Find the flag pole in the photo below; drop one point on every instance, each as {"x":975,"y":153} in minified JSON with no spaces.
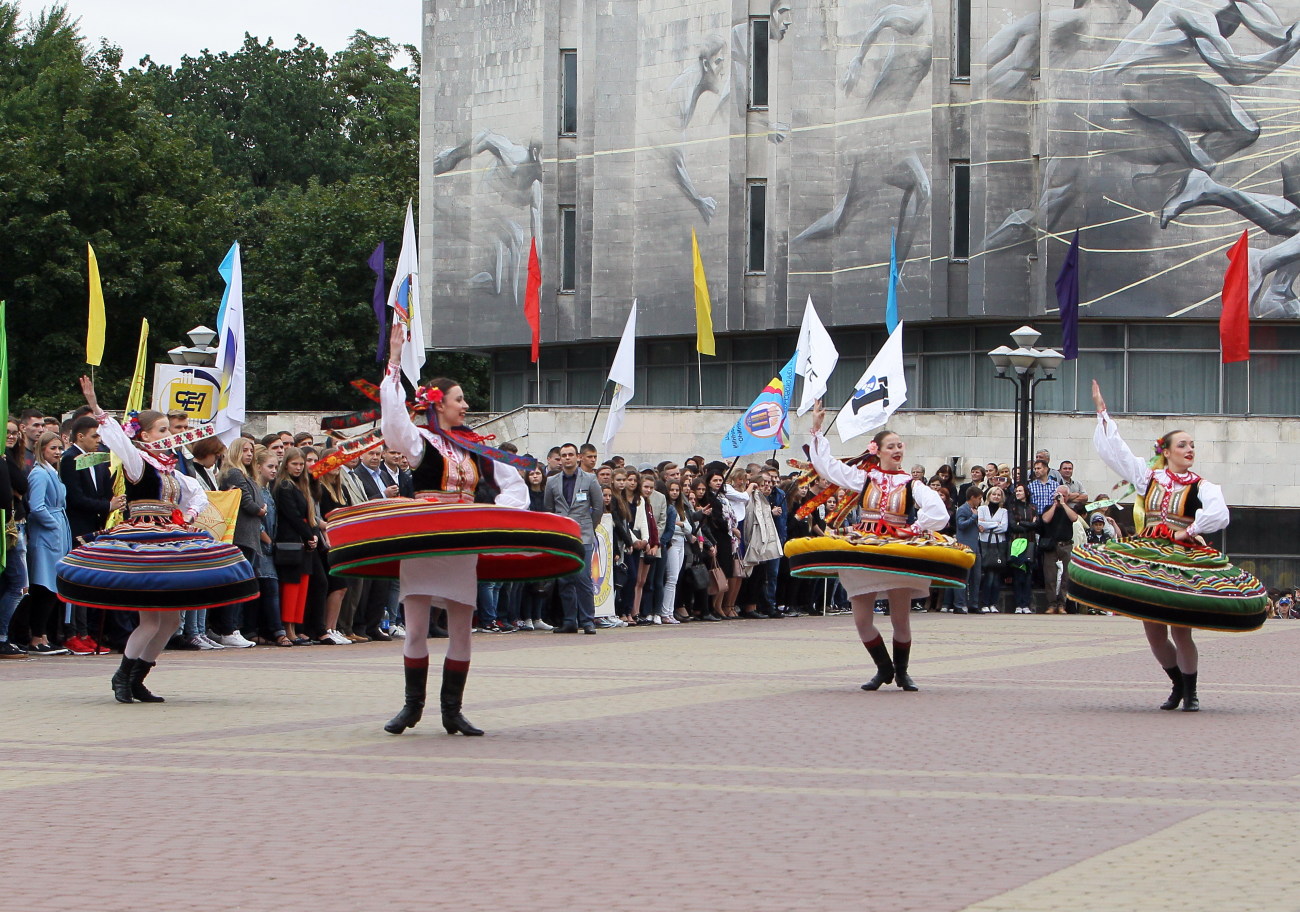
{"x":699,"y":364}
{"x":599,"y":405}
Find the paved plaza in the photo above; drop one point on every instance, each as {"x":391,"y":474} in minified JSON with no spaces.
{"x":717,"y":767}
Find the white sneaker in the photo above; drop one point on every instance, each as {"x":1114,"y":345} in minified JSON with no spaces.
{"x":338,"y":638}
{"x":204,"y":643}
{"x":234,"y":640}
{"x":397,"y":632}
{"x":656,"y":619}
{"x":525,"y":625}
{"x":539,"y":624}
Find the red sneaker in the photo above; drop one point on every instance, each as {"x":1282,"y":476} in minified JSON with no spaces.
{"x":89,"y":642}
{"x":77,"y":646}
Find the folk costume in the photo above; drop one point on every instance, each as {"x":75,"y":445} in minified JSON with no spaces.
{"x":1152,"y":577}
{"x":885,"y":552}
{"x":155,"y":561}
{"x":469,"y":522}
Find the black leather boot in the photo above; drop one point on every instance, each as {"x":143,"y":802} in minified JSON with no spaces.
{"x":1175,"y":695}
{"x":417,"y":685}
{"x":453,"y":693}
{"x":139,"y":670}
{"x":122,"y":681}
{"x":903,"y":652}
{"x":1190,"y":702}
{"x":884,"y":665}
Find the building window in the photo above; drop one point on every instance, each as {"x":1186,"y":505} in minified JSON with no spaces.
{"x":960,"y":210}
{"x":758,"y":32}
{"x":568,"y":249}
{"x":568,"y":93}
{"x":756,"y":260}
{"x":961,"y":41}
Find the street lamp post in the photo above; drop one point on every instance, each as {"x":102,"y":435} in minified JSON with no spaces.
{"x":1029,"y":367}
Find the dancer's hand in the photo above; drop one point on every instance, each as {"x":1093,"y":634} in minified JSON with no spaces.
{"x":88,"y":390}
{"x":396,"y":339}
{"x":819,"y":416}
{"x":1099,"y":402}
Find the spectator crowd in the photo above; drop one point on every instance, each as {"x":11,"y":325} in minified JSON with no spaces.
{"x":696,"y":541}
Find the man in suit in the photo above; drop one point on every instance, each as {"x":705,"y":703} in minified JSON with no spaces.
{"x":395,"y":476}
{"x":968,"y":534}
{"x":576,"y":494}
{"x":372,"y":598}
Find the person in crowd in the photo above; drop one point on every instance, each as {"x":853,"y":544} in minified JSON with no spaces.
{"x":1166,"y":575}
{"x":13,"y":500}
{"x":1055,"y":544}
{"x":778,"y":569}
{"x":1075,"y":494}
{"x":721,"y":523}
{"x":297,"y":538}
{"x":1053,"y":475}
{"x":968,"y":529}
{"x":49,"y":538}
{"x":1022,"y":532}
{"x":394,"y":476}
{"x":616,"y":507}
{"x":552,"y":460}
{"x":178,"y":567}
{"x":1042,"y":490}
{"x":587,"y":457}
{"x":575,"y":493}
{"x":944,"y":475}
{"x":31,"y":424}
{"x":762,"y":546}
{"x":657,"y":504}
{"x":918,"y":473}
{"x":674,"y":550}
{"x":887,"y":498}
{"x":976,"y":478}
{"x":203,"y":468}
{"x":332,"y":495}
{"x":266,"y":466}
{"x":645,"y":532}
{"x":374,"y":595}
{"x":993,"y":523}
{"x":303,"y":439}
{"x":238,"y":475}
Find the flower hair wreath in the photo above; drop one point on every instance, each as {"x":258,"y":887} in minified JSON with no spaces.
{"x":873,"y":448}
{"x":430,"y":395}
{"x":132,"y":424}
{"x":1158,"y":448}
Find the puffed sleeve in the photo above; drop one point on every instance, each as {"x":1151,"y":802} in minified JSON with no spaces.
{"x":931,"y":514}
{"x":834,"y":471}
{"x":193,"y":499}
{"x":513,"y":488}
{"x":1213,"y":514}
{"x":1115,"y":453}
{"x":400,"y":432}
{"x":120,"y":445}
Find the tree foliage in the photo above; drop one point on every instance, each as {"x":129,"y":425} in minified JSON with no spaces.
{"x":306,"y":157}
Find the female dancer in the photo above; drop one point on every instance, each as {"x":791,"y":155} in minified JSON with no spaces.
{"x":884,"y":554}
{"x":1166,"y":576}
{"x":154,"y":562}
{"x":446,"y":539}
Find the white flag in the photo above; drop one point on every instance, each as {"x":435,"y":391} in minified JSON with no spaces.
{"x":817,"y":358}
{"x":879,"y":393}
{"x":623,"y":375}
{"x":230,"y":414}
{"x":404,"y":298}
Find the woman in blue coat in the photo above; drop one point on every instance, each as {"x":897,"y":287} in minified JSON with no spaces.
{"x":49,"y":538}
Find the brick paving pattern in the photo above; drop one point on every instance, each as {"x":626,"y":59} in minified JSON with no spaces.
{"x":714,"y":768}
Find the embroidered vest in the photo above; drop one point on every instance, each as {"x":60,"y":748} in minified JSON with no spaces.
{"x":448,"y":474}
{"x":889,"y":503}
{"x":1175,"y":509}
{"x":154,"y":485}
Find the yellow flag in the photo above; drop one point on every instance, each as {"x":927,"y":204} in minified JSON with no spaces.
{"x":95,"y":332}
{"x":134,"y":402}
{"x":703,"y":306}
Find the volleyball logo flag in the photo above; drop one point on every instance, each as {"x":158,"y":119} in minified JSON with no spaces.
{"x":230,"y":416}
{"x":765,"y":424}
{"x":878,"y":393}
{"x":404,"y":299}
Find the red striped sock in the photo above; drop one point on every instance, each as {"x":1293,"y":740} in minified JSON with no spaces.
{"x":876,"y":642}
{"x":455,"y":664}
{"x":421,"y":662}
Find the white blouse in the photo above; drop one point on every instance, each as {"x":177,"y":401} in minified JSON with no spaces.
{"x":405,"y":436}
{"x":1213,"y":514}
{"x":193,"y":499}
{"x":931,"y":514}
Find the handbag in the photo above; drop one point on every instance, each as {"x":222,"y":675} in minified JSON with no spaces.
{"x":717,"y":580}
{"x":289,"y":555}
{"x":992,"y":557}
{"x":700,"y":576}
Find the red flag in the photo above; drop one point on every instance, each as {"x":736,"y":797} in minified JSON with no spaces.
{"x":533,"y":298}
{"x":1234,"y":320}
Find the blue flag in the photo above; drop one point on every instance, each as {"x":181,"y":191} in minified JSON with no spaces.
{"x":891,"y":302}
{"x":1067,"y":298}
{"x":764,"y":426}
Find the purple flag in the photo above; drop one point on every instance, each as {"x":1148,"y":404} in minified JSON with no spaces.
{"x":376,"y":263}
{"x":1067,"y":298}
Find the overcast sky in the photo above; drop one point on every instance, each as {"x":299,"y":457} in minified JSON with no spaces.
{"x":166,"y":29}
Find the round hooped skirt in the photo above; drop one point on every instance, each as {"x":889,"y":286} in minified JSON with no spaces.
{"x":875,"y":563}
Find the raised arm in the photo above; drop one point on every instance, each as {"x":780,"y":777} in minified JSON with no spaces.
{"x":827,"y":466}
{"x":1113,"y":450}
{"x":400,"y":432}
{"x":112,"y":435}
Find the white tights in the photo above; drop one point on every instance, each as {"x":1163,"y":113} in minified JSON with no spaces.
{"x":152,"y":634}
{"x":900,"y":615}
{"x":460,"y":624}
{"x":1181,"y":652}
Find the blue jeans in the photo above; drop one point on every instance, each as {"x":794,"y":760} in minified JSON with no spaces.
{"x":13,"y":583}
{"x":773,"y":577}
{"x":969,"y":597}
{"x":488,"y":595}
{"x":577,"y":596}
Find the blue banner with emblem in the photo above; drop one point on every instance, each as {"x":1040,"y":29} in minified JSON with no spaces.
{"x":765,"y":424}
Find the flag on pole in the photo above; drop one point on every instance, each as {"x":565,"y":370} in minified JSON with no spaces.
{"x":1234,"y":319}
{"x":891,"y":300}
{"x":703,"y":304}
{"x":623,"y":375}
{"x":95,"y":329}
{"x":376,"y":264}
{"x":765,"y":424}
{"x":1067,"y":299}
{"x":230,"y":415}
{"x":817,"y":357}
{"x":878,"y":393}
{"x":404,"y":298}
{"x":533,"y":298}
